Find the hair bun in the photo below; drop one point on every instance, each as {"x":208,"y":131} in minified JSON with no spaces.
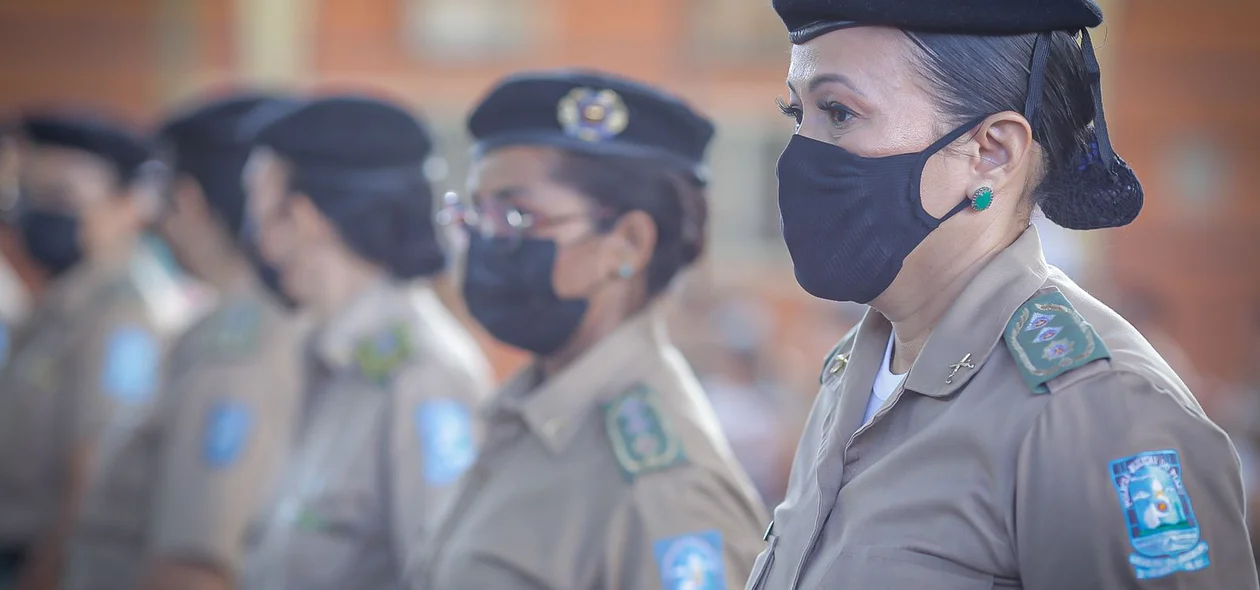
{"x":1093,"y":194}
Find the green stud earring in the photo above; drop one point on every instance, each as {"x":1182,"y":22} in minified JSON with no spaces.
{"x":982,"y":198}
{"x":626,"y":271}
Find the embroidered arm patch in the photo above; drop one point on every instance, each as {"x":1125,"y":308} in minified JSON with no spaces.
{"x":641,"y":438}
{"x":691,"y":562}
{"x":227,"y":430}
{"x":132,"y":359}
{"x":444,"y":428}
{"x":1158,"y":517}
{"x":1048,"y":338}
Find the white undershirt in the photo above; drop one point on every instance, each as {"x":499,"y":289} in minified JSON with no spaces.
{"x":886,"y":382}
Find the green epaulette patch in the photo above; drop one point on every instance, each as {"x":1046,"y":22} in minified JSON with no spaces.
{"x":1048,"y":338}
{"x":641,"y":438}
{"x":232,"y":330}
{"x":379,"y":356}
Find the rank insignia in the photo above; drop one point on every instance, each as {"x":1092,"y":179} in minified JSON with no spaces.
{"x":641,"y":439}
{"x":1048,"y":337}
{"x":593,"y":115}
{"x":691,"y":562}
{"x":1159,"y":520}
{"x":379,"y":357}
{"x":233,"y":330}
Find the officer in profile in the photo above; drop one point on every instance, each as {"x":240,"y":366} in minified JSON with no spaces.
{"x":91,"y":354}
{"x":604,"y":466}
{"x":169,"y":507}
{"x":343,"y":210}
{"x":989,"y":423}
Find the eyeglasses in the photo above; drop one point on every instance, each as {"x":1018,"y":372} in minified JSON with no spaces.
{"x":496,"y":219}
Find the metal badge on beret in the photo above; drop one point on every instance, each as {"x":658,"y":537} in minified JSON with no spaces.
{"x":593,"y":115}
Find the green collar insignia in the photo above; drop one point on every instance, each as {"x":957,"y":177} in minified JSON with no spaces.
{"x":1048,"y":338}
{"x":233,"y":330}
{"x":379,"y":357}
{"x":641,"y":439}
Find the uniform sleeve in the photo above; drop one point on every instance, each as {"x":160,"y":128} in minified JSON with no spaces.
{"x":227,"y":431}
{"x":116,"y":363}
{"x":681,"y":529}
{"x":1121,"y":486}
{"x":434,"y":438}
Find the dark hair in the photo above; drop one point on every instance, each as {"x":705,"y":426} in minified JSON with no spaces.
{"x":392,"y":227}
{"x":219,"y":177}
{"x":975,"y":76}
{"x":675,"y":202}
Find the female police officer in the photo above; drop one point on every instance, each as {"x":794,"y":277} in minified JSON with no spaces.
{"x":603,"y":465}
{"x":344,"y":213}
{"x":988,"y":424}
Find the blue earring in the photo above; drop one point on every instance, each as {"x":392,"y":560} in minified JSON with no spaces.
{"x":626,"y":271}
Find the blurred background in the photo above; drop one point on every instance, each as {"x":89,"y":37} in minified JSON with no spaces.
{"x":1182,"y":84}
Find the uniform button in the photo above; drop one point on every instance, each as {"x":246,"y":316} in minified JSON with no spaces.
{"x":838,"y":363}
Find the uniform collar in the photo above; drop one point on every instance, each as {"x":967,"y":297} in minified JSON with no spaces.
{"x":974,"y":324}
{"x":553,"y":408}
{"x":377,"y":306}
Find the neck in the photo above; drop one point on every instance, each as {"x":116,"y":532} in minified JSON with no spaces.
{"x":603,"y":317}
{"x":344,"y":287}
{"x":916,"y":307}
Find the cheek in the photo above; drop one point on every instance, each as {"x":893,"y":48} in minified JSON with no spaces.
{"x":943,"y":184}
{"x":572,"y":274}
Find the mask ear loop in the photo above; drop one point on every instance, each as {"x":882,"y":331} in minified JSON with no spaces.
{"x":938,"y":146}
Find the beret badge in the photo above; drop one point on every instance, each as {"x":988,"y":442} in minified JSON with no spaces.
{"x":592,"y":115}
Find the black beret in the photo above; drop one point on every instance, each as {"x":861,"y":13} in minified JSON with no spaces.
{"x":345,"y":133}
{"x":126,"y":151}
{"x":592,"y":112}
{"x":212,"y":125}
{"x":807,"y":19}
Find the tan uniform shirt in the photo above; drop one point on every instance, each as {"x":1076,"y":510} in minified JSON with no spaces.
{"x":612,"y":474}
{"x":1038,"y":442}
{"x":187,"y":480}
{"x":389,"y":428}
{"x":91,"y":358}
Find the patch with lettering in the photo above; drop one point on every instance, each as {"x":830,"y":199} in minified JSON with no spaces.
{"x":129,"y":372}
{"x":1048,"y":338}
{"x":691,"y":562}
{"x":1158,"y":516}
{"x":444,"y":428}
{"x":379,"y":356}
{"x":641,"y":438}
{"x":227,"y":430}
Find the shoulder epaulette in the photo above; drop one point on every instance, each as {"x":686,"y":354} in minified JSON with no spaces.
{"x":380,"y":355}
{"x":231,"y":330}
{"x":641,"y":437}
{"x":1048,"y":338}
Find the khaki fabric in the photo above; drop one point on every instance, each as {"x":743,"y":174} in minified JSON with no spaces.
{"x":87,"y":365}
{"x":612,"y":474}
{"x":388,"y":428}
{"x":184,"y":482}
{"x":968,"y":479}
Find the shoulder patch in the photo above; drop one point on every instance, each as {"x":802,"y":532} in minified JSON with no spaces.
{"x":130,"y":368}
{"x":691,"y":562}
{"x":232,"y":330}
{"x":227,"y":430}
{"x":641,"y":438}
{"x":444,"y":429}
{"x":379,"y":356}
{"x":1159,"y":520}
{"x":1048,"y":338}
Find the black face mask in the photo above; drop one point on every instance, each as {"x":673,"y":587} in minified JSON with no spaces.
{"x":51,"y":239}
{"x":507,"y":287}
{"x":849,"y":221}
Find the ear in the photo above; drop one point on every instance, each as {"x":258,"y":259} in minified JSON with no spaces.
{"x":1003,"y":143}
{"x":633,"y":239}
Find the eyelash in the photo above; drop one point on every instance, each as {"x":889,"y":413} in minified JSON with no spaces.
{"x":836,"y":112}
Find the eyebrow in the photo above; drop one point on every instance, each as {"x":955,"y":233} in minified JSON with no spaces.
{"x":821,"y":79}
